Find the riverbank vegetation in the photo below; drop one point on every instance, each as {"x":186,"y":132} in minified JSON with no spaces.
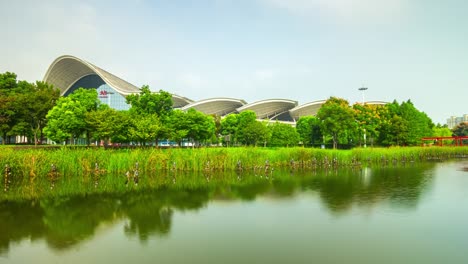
{"x":33,"y":173}
{"x":35,"y":112}
{"x":80,"y":161}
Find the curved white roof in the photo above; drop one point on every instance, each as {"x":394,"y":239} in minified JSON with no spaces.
{"x":270,"y":108}
{"x":308,"y":109}
{"x":180,"y":101}
{"x":220,"y":106}
{"x":67,"y":70}
{"x":376,"y":103}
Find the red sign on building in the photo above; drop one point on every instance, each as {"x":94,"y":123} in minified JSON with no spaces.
{"x":103,"y":94}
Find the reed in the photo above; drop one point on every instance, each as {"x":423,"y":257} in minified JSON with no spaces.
{"x":65,"y":171}
{"x":34,"y":163}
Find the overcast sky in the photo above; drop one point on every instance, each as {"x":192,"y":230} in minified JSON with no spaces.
{"x":255,"y":49}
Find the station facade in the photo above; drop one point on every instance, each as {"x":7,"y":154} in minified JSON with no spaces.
{"x":69,"y":73}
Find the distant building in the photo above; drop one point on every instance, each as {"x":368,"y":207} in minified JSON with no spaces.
{"x":69,"y":73}
{"x":454,"y":121}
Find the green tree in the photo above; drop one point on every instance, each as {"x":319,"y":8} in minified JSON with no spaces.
{"x":36,"y":103}
{"x":246,"y":123}
{"x":147,"y":102}
{"x":338,"y":119}
{"x":283,"y":135}
{"x":200,"y":127}
{"x":145,"y":128}
{"x":8,"y":86}
{"x":419,"y":124}
{"x":193,"y":125}
{"x":254,"y":133}
{"x":461,"y":129}
{"x":229,"y":126}
{"x":403,"y":124}
{"x":178,"y":128}
{"x":106,"y":123}
{"x":68,"y":118}
{"x":309,"y":130}
{"x":441,"y":131}
{"x":369,"y":120}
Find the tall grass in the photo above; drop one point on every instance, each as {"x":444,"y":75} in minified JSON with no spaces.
{"x":34,"y":163}
{"x":82,"y":170}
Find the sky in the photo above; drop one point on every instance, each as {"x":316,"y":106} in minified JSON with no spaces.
{"x":255,"y":49}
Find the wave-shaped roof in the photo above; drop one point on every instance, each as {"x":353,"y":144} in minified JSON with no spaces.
{"x":308,"y":109}
{"x":219,"y":106}
{"x":270,"y":108}
{"x":67,"y":70}
{"x":376,"y":103}
{"x":180,"y":101}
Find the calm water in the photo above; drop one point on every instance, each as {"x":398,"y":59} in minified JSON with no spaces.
{"x":413,"y":214}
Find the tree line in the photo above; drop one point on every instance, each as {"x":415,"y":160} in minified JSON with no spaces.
{"x":36,"y":111}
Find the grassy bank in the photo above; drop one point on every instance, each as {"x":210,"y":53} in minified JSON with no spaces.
{"x":38,"y":162}
{"x":34,"y":173}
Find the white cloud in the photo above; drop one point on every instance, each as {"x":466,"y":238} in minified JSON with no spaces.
{"x":345,"y":11}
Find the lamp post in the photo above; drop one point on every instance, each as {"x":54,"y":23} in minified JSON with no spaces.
{"x":363,"y":89}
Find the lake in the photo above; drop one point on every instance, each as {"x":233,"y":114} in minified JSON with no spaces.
{"x":416,"y":213}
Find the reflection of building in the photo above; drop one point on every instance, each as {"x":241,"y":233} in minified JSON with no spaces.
{"x":69,"y":73}
{"x":453,"y":121}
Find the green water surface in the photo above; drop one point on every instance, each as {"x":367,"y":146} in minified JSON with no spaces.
{"x":411,"y":214}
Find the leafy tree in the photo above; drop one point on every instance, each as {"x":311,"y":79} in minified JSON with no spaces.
{"x":404,"y":125}
{"x":147,"y":102}
{"x":283,"y":135}
{"x":217,"y":133}
{"x":178,"y":128}
{"x":461,"y":129}
{"x":337,"y":118}
{"x":309,"y":130}
{"x":368,"y":118}
{"x":106,"y":123}
{"x":246,"y":122}
{"x":200,"y":127}
{"x":145,"y":128}
{"x":192,"y":124}
{"x":23,"y":106}
{"x":68,"y":118}
{"x":229,"y":126}
{"x":8,"y":85}
{"x":254,"y":133}
{"x":36,"y":103}
{"x":419,"y":124}
{"x":441,"y":131}
{"x":121,"y":130}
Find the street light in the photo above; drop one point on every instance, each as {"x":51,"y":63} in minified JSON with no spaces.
{"x":363,"y":89}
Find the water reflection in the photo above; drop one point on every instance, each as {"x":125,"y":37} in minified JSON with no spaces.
{"x":65,"y":222}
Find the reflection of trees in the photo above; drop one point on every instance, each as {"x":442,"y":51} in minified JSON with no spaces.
{"x":340,"y":190}
{"x":19,"y":221}
{"x":65,"y":222}
{"x":71,"y":220}
{"x":249,"y":191}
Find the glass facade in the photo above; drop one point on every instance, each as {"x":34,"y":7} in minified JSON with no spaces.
{"x":107,"y":95}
